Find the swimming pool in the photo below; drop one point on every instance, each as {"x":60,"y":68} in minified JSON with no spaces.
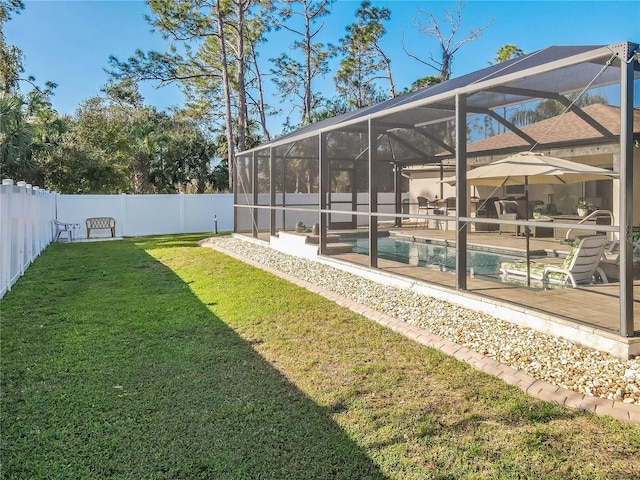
{"x":432,"y":255}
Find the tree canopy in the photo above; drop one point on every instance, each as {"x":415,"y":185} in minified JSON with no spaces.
{"x":446,"y":31}
{"x":115,"y":143}
{"x":364,"y":60}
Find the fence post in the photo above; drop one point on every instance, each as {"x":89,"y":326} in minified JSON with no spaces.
{"x":48,"y":215}
{"x":6,"y":193}
{"x":53,"y":213}
{"x":182,"y":219}
{"x":29,"y":225}
{"x":123,"y":215}
{"x":19,"y":216}
{"x":37,"y":226}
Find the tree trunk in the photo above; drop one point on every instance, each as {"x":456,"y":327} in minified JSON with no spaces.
{"x":387,"y":68}
{"x":241,"y":8}
{"x":261,"y":104}
{"x":306,"y":113}
{"x":445,"y":70}
{"x":227,"y":95}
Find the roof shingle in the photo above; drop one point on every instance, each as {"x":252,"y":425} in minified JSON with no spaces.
{"x":562,"y":128}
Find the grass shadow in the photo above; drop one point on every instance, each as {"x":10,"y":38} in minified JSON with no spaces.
{"x":112,"y":367}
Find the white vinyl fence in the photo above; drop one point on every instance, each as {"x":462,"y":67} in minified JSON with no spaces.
{"x":304,"y":207}
{"x":25,"y":228}
{"x":27,"y":214}
{"x":148,"y":214}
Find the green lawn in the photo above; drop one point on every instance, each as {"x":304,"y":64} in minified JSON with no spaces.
{"x":152,"y":358}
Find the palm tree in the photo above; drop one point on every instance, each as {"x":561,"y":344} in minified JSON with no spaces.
{"x":16,"y":136}
{"x":507,"y":52}
{"x":548,"y":108}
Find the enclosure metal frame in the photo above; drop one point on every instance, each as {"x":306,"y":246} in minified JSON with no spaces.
{"x":625,"y":53}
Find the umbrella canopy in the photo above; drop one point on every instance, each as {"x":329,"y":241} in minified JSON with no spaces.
{"x":533,"y":168}
{"x":528,"y":168}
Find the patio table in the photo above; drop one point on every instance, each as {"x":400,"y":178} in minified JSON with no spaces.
{"x":542,"y":228}
{"x":71,"y":229}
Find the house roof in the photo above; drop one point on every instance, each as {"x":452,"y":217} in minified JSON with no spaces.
{"x":569,"y":127}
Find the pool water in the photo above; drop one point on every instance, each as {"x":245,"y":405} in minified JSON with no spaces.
{"x":440,"y":257}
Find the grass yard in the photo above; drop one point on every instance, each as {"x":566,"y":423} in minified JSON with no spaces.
{"x":152,"y":358}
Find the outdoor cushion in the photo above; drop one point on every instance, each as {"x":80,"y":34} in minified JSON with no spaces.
{"x":544,"y":210}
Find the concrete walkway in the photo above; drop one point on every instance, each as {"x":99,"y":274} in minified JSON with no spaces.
{"x":532,"y":386}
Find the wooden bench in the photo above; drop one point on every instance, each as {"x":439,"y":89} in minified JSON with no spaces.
{"x":100,"y":223}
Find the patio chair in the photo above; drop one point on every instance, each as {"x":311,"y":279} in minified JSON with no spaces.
{"x":61,"y":227}
{"x":579,"y":268}
{"x":423,"y":208}
{"x":446,"y":208}
{"x":449,"y":205}
{"x":516,"y":210}
{"x":507,"y":210}
{"x":487,"y":209}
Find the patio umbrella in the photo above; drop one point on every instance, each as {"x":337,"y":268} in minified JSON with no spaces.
{"x":528,"y":168}
{"x":533,"y":168}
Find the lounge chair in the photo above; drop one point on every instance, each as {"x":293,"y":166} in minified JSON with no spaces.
{"x":614,"y":249}
{"x":579,"y":268}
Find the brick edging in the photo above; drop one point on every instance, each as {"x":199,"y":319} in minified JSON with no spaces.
{"x":533,"y":387}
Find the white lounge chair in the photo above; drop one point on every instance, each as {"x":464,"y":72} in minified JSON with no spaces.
{"x":614,"y":249}
{"x":579,"y":268}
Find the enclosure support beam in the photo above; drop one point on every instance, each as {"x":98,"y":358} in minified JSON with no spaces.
{"x":406,"y":144}
{"x":272,"y":192}
{"x":626,"y":188}
{"x":461,"y":192}
{"x":560,"y":98}
{"x":234,"y":186}
{"x":284,"y":190}
{"x":434,"y":139}
{"x":254,"y":190}
{"x":323,"y":173}
{"x":373,"y":196}
{"x":503,"y":121}
{"x":397,"y":190}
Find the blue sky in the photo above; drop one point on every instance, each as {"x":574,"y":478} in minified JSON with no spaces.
{"x":69,"y":42}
